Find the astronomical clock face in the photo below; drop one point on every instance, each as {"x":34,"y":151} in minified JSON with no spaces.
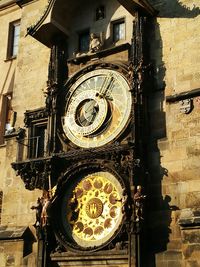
{"x":92,"y":210}
{"x":98,"y":108}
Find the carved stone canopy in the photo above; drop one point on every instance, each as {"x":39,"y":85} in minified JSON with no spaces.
{"x":55,"y":22}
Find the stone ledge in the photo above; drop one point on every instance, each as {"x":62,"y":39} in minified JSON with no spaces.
{"x":189,"y":218}
{"x":16,"y":232}
{"x":101,"y":259}
{"x":7,"y":3}
{"x":183,"y":95}
{"x":97,"y":55}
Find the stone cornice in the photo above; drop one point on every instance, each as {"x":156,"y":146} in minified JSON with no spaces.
{"x":183,"y":95}
{"x":37,"y":114}
{"x":189,"y":218}
{"x":21,"y":3}
{"x":7,"y":3}
{"x":16,"y":232}
{"x":142,"y":5}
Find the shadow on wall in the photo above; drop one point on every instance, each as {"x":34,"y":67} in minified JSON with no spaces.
{"x":175,"y":9}
{"x":159,"y":210}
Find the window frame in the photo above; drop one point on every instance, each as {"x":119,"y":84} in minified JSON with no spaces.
{"x":81,"y":33}
{"x":11,"y":39}
{"x":113,"y":24}
{"x":6,"y":103}
{"x":34,"y":141}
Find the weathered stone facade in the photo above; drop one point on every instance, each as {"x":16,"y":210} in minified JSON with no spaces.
{"x":172,"y":137}
{"x":174,"y":146}
{"x":16,"y":200}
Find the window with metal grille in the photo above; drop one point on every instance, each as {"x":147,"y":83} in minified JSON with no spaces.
{"x":38,"y":140}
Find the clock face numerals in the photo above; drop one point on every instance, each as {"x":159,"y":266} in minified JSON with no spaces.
{"x":98,"y":108}
{"x":94,"y":209}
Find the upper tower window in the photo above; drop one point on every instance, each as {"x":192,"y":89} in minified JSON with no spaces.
{"x":13,"y":39}
{"x":118,"y":28}
{"x":84,"y":41}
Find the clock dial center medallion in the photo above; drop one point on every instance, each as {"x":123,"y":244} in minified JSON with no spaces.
{"x":86,"y":114}
{"x":94,"y":208}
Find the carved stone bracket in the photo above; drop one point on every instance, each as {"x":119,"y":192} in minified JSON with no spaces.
{"x":33,"y":173}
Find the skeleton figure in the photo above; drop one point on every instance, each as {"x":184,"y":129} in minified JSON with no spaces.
{"x":139,"y":203}
{"x":45,"y":205}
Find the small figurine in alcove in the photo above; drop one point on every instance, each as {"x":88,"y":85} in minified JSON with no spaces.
{"x":100,"y":13}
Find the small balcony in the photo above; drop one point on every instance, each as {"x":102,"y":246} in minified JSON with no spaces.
{"x":30,"y":148}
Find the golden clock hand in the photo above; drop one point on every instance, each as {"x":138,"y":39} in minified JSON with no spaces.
{"x":106,"y":85}
{"x":90,"y":107}
{"x":103,"y":85}
{"x":108,"y":88}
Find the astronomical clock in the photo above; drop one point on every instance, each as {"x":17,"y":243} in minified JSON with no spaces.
{"x":91,"y":201}
{"x":98,"y":107}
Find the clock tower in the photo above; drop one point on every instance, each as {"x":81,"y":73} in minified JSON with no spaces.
{"x":93,"y":172}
